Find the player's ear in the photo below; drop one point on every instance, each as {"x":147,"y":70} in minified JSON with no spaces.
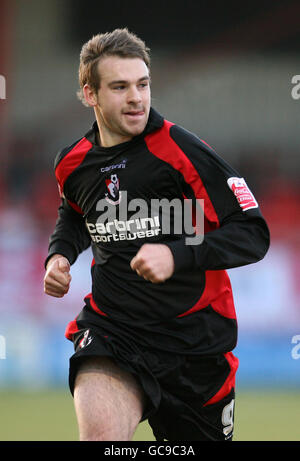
{"x":89,"y":95}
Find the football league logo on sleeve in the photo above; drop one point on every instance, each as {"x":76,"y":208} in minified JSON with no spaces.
{"x":242,"y":192}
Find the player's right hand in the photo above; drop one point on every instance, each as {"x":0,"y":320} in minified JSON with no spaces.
{"x":57,"y":278}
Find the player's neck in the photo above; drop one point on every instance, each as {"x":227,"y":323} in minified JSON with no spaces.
{"x":106,"y":137}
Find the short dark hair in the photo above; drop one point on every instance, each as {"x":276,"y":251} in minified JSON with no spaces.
{"x":119,"y":42}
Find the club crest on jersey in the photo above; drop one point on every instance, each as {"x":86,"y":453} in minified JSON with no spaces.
{"x":242,"y":192}
{"x":113,"y":196}
{"x":86,"y":340}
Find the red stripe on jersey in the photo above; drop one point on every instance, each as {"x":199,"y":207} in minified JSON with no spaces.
{"x":71,"y":161}
{"x":93,"y":305}
{"x":75,"y":207}
{"x":71,"y":329}
{"x":217,"y":293}
{"x":164,"y":147}
{"x":206,"y":144}
{"x":230,"y":380}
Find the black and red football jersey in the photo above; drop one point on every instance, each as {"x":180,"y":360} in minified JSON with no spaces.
{"x":111,"y":200}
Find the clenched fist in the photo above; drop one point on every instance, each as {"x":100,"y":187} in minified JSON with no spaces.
{"x":57,"y":278}
{"x":154,"y":262}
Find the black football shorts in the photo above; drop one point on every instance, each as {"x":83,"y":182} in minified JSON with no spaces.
{"x":188,"y":397}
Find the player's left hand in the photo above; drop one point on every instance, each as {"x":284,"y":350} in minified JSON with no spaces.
{"x":154,"y":262}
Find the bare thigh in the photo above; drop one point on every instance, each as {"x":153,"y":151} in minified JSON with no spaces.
{"x":108,"y":401}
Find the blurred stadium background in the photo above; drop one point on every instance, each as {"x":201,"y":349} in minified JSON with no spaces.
{"x":224,"y":71}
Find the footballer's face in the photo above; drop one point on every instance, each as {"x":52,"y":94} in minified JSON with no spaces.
{"x":123,"y":99}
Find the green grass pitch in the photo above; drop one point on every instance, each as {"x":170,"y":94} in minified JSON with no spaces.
{"x":50,"y":416}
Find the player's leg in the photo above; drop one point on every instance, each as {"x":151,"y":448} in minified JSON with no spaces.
{"x":108,"y":401}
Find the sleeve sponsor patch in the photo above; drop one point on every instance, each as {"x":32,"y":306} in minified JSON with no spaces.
{"x":242,"y":192}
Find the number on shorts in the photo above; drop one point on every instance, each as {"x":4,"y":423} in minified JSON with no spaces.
{"x":227,"y":418}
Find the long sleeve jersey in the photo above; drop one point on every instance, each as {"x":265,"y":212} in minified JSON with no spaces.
{"x":118,"y":198}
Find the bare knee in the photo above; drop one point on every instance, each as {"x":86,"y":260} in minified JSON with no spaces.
{"x":100,"y":435}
